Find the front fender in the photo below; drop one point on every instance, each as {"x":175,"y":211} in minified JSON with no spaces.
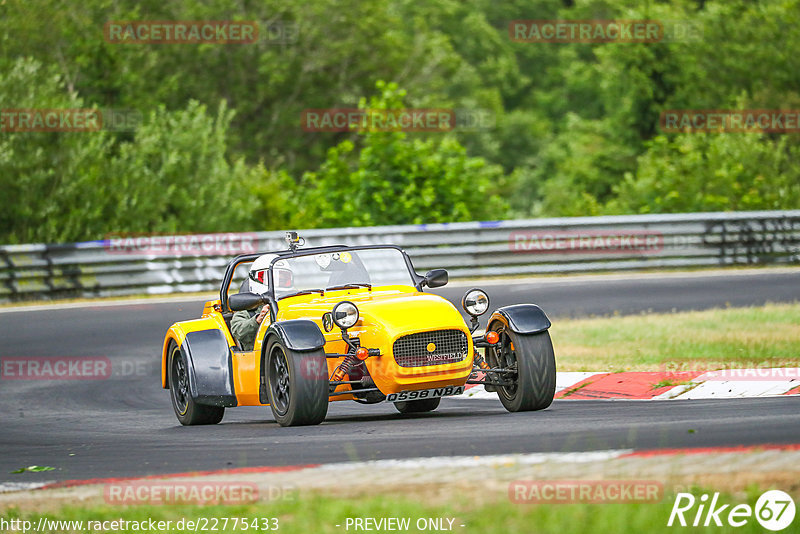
{"x":522,"y":318}
{"x":301,"y":335}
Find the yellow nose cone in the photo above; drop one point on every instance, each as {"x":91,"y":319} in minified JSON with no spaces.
{"x":431,"y":347}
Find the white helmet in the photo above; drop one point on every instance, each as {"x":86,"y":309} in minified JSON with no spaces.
{"x":259,"y":271}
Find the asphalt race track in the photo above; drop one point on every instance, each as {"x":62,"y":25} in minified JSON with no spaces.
{"x":124,"y":425}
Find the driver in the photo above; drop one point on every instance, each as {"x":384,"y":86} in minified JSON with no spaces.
{"x":244,"y":324}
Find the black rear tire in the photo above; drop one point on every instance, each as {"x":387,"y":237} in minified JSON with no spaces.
{"x":536,"y":369}
{"x":417,"y":406}
{"x":297,"y":384}
{"x":186,"y":409}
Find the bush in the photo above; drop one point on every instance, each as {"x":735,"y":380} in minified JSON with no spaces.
{"x":172,"y":175}
{"x":388,"y":178}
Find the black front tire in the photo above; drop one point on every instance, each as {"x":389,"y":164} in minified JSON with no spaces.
{"x":536,"y":369}
{"x":418,"y":406}
{"x":186,"y":409}
{"x":297,"y":384}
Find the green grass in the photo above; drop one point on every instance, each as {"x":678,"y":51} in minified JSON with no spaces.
{"x":319,"y":515}
{"x":721,"y":338}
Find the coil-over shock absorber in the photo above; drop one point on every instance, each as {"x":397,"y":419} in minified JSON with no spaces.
{"x":355,"y":356}
{"x":344,"y":367}
{"x":489,"y":338}
{"x":478,"y":359}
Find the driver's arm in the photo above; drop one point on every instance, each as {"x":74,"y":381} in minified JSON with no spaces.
{"x":244,"y":327}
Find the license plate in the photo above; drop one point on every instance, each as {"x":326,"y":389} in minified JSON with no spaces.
{"x":425,"y":394}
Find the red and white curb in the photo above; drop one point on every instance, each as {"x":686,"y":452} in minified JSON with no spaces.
{"x":8,"y":487}
{"x":423,"y":464}
{"x":659,"y":464}
{"x":659,"y":385}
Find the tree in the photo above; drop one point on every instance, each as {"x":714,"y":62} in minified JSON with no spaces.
{"x":172,"y":175}
{"x":712,"y":172}
{"x":47,"y":177}
{"x":390,"y":178}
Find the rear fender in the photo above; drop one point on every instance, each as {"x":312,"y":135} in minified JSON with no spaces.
{"x":522,"y":318}
{"x":207,"y":350}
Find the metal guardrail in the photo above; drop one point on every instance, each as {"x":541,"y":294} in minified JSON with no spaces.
{"x":171,"y":264}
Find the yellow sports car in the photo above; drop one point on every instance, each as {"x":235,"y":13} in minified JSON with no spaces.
{"x":349,"y":323}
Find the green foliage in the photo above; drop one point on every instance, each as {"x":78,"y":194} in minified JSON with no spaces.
{"x":44,"y":175}
{"x":392,"y":179}
{"x":575,"y":126}
{"x":171,"y":176}
{"x":739,"y":172}
{"x":577,"y":169}
{"x":174,"y":175}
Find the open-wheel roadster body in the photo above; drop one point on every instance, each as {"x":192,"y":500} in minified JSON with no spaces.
{"x":351,"y":323}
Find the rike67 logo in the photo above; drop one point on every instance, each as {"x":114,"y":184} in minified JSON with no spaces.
{"x":774,"y":510}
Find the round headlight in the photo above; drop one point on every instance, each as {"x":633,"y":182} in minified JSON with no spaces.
{"x":345,"y":314}
{"x":475,"y":302}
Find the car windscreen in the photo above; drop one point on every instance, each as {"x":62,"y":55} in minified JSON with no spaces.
{"x":376,"y":267}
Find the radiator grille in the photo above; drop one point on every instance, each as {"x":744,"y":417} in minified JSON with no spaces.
{"x":413,"y":350}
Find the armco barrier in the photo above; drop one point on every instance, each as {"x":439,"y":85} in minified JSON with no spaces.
{"x":165,"y":264}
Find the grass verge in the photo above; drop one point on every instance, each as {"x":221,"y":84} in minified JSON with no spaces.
{"x":757,"y":337}
{"x":322,"y":514}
